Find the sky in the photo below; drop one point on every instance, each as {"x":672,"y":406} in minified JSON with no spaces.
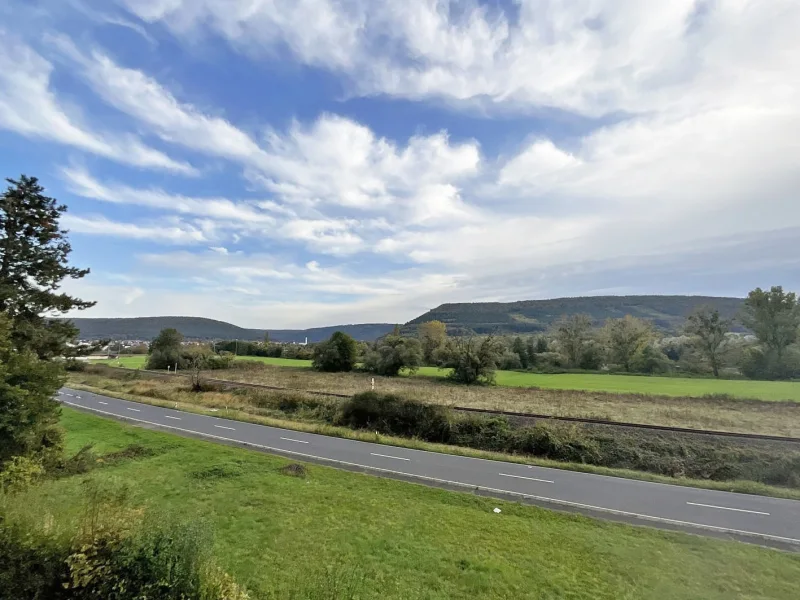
{"x":299,"y":163}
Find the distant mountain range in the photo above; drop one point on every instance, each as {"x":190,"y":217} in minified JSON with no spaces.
{"x":668,"y":313}
{"x":197,"y":328}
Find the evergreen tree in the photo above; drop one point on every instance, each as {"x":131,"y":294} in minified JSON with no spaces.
{"x":33,"y":264}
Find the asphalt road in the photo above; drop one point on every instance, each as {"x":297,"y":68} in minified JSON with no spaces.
{"x":768,"y":521}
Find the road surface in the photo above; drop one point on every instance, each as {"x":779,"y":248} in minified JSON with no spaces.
{"x":759,"y":519}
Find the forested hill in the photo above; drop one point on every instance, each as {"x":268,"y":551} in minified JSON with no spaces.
{"x":668,"y":313}
{"x":146,"y":328}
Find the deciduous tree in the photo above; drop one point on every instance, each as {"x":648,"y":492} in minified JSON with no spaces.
{"x":708,"y":331}
{"x":432,"y":335}
{"x":774,"y":318}
{"x":572,"y":333}
{"x":165,"y":350}
{"x":624,"y":337}
{"x":472,"y":360}
{"x":338,"y":353}
{"x":392,"y":354}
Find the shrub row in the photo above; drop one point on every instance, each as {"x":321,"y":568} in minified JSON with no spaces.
{"x":663,"y":453}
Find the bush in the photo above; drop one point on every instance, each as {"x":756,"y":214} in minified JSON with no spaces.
{"x":484,"y":433}
{"x":83,"y":461}
{"x":393,"y":353}
{"x":248,"y":365}
{"x":471,"y":360}
{"x":114,"y":554}
{"x":765,"y":364}
{"x":394,"y":415}
{"x":19,"y":473}
{"x":592,"y":356}
{"x":215,"y":362}
{"x":550,"y":362}
{"x":567,"y":444}
{"x":509,"y":361}
{"x":159,"y":360}
{"x":338,"y":354}
{"x":649,"y":359}
{"x":74,"y":365}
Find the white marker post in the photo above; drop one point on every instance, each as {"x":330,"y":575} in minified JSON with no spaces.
{"x":373,"y":384}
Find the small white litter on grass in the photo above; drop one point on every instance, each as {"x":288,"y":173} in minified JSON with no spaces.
{"x":497,"y":510}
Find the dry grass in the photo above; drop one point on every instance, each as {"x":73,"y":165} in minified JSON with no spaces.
{"x":717,"y":413}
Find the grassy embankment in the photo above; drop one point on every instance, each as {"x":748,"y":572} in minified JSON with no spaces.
{"x":378,"y":538}
{"x":617,"y":384}
{"x":766,"y":468}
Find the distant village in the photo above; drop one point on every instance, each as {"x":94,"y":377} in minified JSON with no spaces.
{"x":132,"y":347}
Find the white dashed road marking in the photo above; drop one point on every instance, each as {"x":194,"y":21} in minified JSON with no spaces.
{"x":387,"y":456}
{"x":135,"y":409}
{"x":528,"y":478}
{"x":175,"y":418}
{"x":291,"y":440}
{"x":223,"y":427}
{"x":752,"y":512}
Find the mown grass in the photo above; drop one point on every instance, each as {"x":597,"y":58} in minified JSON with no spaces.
{"x":378,"y":538}
{"x":618,"y":384}
{"x":174,"y":393}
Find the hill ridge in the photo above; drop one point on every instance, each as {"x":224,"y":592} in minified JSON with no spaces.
{"x":203,"y":328}
{"x":667,"y":312}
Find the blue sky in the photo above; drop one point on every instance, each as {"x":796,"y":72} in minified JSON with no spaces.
{"x":292,"y":163}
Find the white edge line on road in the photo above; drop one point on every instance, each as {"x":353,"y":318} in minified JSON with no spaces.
{"x":753,"y":512}
{"x":133,"y":409}
{"x":387,"y":456}
{"x":528,"y":478}
{"x":223,"y":427}
{"x":291,"y":440}
{"x":169,"y":417}
{"x":766,"y":536}
{"x":567,"y":472}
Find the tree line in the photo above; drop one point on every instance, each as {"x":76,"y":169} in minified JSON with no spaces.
{"x":628,"y":344}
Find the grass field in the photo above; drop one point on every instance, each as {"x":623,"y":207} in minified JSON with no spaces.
{"x":618,"y":384}
{"x":388,"y":539}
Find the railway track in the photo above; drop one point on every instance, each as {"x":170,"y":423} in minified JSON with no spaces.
{"x":463,"y":409}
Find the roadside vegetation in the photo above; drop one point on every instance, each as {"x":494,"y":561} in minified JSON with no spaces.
{"x":752,"y":466}
{"x":324,"y":533}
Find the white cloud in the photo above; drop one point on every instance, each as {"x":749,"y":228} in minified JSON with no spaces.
{"x":592,"y":57}
{"x":339,"y":162}
{"x":145,"y":99}
{"x":695,"y":110}
{"x":245,"y":213}
{"x":333,"y":161}
{"x":97,"y":225}
{"x":30,"y":107}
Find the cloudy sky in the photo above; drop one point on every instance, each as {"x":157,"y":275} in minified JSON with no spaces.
{"x":292,"y":163}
